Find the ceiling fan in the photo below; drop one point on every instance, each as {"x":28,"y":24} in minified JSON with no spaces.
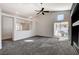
{"x":42,"y":11}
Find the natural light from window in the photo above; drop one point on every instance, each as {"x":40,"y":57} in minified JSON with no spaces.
{"x":60,"y":17}
{"x":28,"y":40}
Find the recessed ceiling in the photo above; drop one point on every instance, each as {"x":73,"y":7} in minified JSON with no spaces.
{"x":28,"y":9}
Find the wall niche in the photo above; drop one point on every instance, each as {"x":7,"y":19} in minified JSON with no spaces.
{"x":23,"y":25}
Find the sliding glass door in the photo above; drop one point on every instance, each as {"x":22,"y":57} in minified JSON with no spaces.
{"x":61,"y":29}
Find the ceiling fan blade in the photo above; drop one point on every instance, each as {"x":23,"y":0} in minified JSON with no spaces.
{"x":46,"y":11}
{"x":43,"y":13}
{"x":42,"y":9}
{"x":39,"y":12}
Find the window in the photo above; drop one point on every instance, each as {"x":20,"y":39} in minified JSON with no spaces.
{"x":60,"y":17}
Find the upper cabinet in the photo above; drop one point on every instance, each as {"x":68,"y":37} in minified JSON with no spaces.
{"x":75,"y":12}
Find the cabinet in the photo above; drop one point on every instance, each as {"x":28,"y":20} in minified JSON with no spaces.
{"x":75,"y":29}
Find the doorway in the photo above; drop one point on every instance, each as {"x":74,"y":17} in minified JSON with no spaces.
{"x":7,"y":28}
{"x":61,"y":30}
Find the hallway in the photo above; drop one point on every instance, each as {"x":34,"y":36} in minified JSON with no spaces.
{"x":38,"y":46}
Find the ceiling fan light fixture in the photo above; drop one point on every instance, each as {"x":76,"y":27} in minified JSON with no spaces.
{"x":42,"y":10}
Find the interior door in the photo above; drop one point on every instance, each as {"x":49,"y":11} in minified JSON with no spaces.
{"x":7,"y":27}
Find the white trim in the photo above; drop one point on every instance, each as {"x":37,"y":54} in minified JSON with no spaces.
{"x":5,"y":14}
{"x":14,"y":16}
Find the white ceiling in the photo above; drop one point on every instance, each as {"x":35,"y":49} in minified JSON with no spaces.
{"x":28,"y":9}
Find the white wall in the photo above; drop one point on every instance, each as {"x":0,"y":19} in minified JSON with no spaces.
{"x":7,"y":27}
{"x":45,"y":23}
{"x":0,"y":32}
